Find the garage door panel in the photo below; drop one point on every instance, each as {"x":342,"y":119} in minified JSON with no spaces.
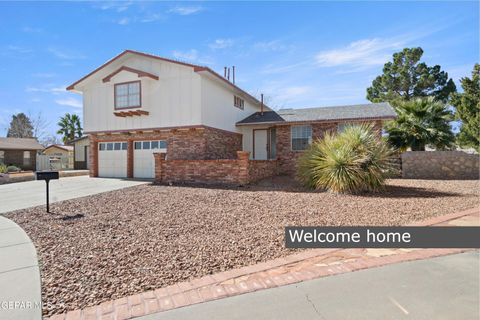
{"x":112,"y":159}
{"x":143,"y":160}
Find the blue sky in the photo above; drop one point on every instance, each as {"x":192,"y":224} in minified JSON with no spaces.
{"x":298,"y":54}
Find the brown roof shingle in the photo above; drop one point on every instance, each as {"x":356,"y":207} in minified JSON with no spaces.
{"x":19,"y":144}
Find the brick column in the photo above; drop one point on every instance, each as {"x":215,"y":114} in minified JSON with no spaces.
{"x":243,"y":159}
{"x":159,"y":160}
{"x":129,"y":158}
{"x":93,"y":156}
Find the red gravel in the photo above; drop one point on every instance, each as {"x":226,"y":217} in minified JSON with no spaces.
{"x":127,"y":241}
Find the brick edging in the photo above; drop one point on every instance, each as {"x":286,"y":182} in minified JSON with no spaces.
{"x":252,"y":278}
{"x":446,"y":217}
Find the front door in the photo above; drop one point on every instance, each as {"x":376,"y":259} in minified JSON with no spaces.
{"x":260,"y":144}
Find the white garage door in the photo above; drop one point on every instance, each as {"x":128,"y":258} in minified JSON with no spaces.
{"x":112,"y":159}
{"x":143,"y":161}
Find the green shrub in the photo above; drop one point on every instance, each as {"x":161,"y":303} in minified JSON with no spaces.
{"x":354,"y":160}
{"x":13,"y":169}
{"x":3,"y":168}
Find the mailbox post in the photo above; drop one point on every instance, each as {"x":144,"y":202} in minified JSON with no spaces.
{"x":47,"y":176}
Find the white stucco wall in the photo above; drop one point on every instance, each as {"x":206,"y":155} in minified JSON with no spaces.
{"x":217,"y":105}
{"x":173,"y":100}
{"x":80,"y":149}
{"x":181,"y":97}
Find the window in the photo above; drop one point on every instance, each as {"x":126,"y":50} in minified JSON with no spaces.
{"x":109,"y":146}
{"x":2,"y":156}
{"x":127,"y":95}
{"x":124,"y":146}
{"x":342,"y":126}
{"x":301,"y":137}
{"x":150,"y":145}
{"x":26,"y":158}
{"x":238,"y":102}
{"x":101,"y":146}
{"x":117,"y":146}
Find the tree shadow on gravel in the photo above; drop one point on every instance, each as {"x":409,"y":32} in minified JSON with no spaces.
{"x":290,"y":185}
{"x":409,"y":192}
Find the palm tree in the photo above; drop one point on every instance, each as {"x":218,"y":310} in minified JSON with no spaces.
{"x":70,"y":127}
{"x":421,"y":122}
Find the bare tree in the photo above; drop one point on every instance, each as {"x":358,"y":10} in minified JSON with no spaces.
{"x":39,"y":124}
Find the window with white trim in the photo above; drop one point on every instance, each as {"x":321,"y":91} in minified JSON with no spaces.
{"x":112,"y":146}
{"x":2,"y":156}
{"x":238,"y":102}
{"x":26,"y":158}
{"x":150,"y":145}
{"x":127,"y":95}
{"x":301,"y":137}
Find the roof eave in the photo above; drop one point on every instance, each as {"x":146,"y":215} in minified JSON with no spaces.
{"x":316,"y":121}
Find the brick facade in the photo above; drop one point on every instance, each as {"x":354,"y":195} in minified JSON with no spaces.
{"x":288,"y":158}
{"x":197,"y":143}
{"x":237,"y":171}
{"x":15,"y":158}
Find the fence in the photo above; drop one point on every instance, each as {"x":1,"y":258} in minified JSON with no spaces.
{"x":440,"y":165}
{"x":49,"y":162}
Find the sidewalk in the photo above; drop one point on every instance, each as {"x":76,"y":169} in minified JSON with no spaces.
{"x":20,"y":294}
{"x":306,"y":265}
{"x":437,"y":288}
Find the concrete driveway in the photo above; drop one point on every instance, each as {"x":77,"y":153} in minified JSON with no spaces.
{"x":439,"y":288}
{"x":23,"y":195}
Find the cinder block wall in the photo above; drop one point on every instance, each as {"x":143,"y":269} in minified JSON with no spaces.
{"x":440,"y":165}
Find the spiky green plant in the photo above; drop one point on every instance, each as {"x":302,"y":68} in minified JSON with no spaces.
{"x":352,"y":161}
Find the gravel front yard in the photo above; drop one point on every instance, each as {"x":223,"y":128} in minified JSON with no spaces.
{"x":124,"y":242}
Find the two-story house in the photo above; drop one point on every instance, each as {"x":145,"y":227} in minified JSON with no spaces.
{"x":138,"y":104}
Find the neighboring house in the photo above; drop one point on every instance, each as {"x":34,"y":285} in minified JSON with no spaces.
{"x":20,"y":152}
{"x":81,"y":147}
{"x":138,"y":104}
{"x":60,"y":156}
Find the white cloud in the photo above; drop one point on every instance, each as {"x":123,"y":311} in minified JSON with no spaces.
{"x":69,"y":102}
{"x":32,"y":30}
{"x":47,"y":89}
{"x":190,"y":55}
{"x":43,"y":75}
{"x":185,"y":10}
{"x":118,"y":6}
{"x":65,"y":54}
{"x":221,"y":43}
{"x":18,"y":49}
{"x":152,"y":17}
{"x":274,"y":45}
{"x":362,"y":53}
{"x":123,"y":21}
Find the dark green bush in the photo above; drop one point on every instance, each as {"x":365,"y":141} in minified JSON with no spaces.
{"x":13,"y":169}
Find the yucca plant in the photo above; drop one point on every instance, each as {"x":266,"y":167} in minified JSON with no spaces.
{"x":352,"y":161}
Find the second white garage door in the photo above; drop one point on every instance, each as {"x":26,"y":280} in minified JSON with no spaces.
{"x":143,"y":161}
{"x":112,"y":159}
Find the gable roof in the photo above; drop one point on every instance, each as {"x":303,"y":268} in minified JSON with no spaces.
{"x":351,"y":112}
{"x":196,"y":68}
{"x":19,"y":144}
{"x":59,"y":146}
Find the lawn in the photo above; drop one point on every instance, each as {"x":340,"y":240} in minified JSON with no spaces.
{"x":127,"y":241}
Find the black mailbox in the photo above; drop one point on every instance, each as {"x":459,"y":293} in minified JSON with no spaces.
{"x":47,"y":176}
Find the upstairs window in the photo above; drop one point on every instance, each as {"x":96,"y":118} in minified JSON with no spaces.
{"x":127,"y":95}
{"x":238,"y":102}
{"x":301,"y":137}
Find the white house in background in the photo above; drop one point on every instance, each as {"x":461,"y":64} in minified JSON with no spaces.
{"x":138,"y":103}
